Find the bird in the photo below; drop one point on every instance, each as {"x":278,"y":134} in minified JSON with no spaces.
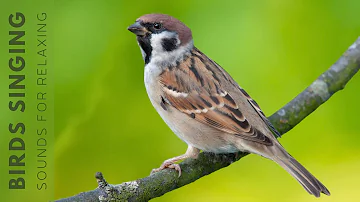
{"x":202,"y":104}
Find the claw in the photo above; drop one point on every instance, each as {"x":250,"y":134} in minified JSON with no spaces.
{"x":191,"y":152}
{"x":176,"y":167}
{"x":167,"y":165}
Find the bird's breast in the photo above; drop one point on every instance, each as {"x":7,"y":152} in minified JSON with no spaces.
{"x":151,"y":75}
{"x":186,"y":128}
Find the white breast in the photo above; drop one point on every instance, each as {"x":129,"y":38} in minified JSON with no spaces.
{"x":181,"y":124}
{"x":151,"y":75}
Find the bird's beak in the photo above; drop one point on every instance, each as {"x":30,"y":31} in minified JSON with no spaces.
{"x":138,"y":29}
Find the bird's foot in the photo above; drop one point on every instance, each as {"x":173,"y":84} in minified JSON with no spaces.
{"x":191,"y":152}
{"x":167,"y":164}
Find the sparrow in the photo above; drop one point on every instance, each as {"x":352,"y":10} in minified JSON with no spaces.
{"x":202,"y":103}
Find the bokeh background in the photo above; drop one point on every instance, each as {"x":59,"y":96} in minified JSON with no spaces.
{"x":274,"y":49}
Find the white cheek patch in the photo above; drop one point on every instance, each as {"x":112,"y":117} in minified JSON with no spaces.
{"x":156,"y":40}
{"x":161,"y":57}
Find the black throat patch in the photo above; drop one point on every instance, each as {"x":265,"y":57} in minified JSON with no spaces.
{"x":145,"y":45}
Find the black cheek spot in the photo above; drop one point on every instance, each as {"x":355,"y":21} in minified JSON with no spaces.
{"x":169,"y":44}
{"x":192,"y":115}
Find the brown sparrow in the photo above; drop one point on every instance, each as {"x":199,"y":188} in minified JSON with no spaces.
{"x":202,"y":104}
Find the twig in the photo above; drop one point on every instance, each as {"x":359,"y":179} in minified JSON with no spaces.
{"x":144,"y":189}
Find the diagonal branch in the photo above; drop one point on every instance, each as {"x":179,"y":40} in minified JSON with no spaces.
{"x":144,"y":189}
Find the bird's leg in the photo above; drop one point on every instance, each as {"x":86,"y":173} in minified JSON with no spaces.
{"x":191,"y":152}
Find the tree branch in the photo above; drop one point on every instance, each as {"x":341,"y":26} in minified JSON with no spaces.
{"x":155,"y":185}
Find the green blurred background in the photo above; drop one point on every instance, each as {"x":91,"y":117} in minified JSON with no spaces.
{"x":274,"y":49}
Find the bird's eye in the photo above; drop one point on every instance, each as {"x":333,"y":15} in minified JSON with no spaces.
{"x":157,"y":25}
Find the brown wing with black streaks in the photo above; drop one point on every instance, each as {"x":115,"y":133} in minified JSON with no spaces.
{"x":194,"y":89}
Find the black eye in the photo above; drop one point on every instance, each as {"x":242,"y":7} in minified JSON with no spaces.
{"x":157,"y":25}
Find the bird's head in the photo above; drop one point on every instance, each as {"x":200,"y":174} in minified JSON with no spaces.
{"x":161,"y":36}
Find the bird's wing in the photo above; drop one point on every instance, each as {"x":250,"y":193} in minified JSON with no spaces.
{"x":256,"y":107}
{"x":193,"y":87}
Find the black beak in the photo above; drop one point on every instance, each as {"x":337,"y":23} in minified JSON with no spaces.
{"x":138,"y":29}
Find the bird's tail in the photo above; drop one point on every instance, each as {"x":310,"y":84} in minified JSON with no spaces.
{"x":304,"y":177}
